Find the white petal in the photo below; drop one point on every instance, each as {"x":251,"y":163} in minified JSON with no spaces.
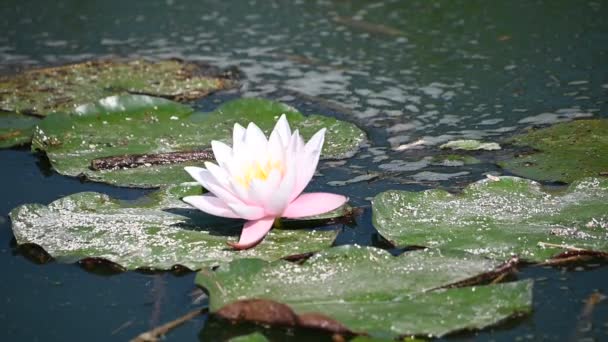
{"x":219,"y":174}
{"x":195,"y":173}
{"x":280,"y":199}
{"x":315,"y":144}
{"x":206,"y":179}
{"x":242,"y":193}
{"x":276,"y":148}
{"x":300,"y":143}
{"x":238,"y":134}
{"x":307,"y":162}
{"x":261,"y":191}
{"x":211,"y":205}
{"x":222,"y":152}
{"x":282,"y":129}
{"x":255,"y":137}
{"x":247,"y":212}
{"x":292,"y":145}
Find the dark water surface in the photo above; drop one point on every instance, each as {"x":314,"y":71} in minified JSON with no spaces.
{"x":435,"y":71}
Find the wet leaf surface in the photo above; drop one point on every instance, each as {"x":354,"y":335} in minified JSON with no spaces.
{"x":510,"y":216}
{"x":62,"y":89}
{"x":365,"y":290}
{"x":155,"y":232}
{"x":16,"y":129}
{"x":134,"y":124}
{"x":566,"y":152}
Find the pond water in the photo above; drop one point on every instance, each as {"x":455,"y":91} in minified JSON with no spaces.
{"x":422,"y":72}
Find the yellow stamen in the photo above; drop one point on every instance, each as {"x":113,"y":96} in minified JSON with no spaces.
{"x":259,"y":171}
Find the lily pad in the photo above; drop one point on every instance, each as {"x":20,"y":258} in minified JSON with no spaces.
{"x":470,"y":145}
{"x":134,"y":124}
{"x":156,"y":232}
{"x":565,"y":152}
{"x":16,"y":129}
{"x":62,"y":89}
{"x":365,"y":290}
{"x":511,"y":216}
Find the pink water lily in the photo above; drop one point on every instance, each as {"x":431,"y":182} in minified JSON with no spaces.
{"x":260,"y":180}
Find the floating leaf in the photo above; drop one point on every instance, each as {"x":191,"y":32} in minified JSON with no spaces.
{"x":156,"y":232}
{"x":16,"y":129}
{"x":470,"y":145}
{"x":498,"y":218}
{"x":566,"y":152}
{"x":62,"y":89}
{"x":133,"y":124}
{"x":365,"y":290}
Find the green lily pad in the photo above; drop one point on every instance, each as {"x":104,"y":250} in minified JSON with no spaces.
{"x":62,"y":89}
{"x":16,"y":129}
{"x":511,"y":216}
{"x":366,"y":290}
{"x":156,"y":232}
{"x":566,"y":152}
{"x":470,"y":145}
{"x":135,"y":124}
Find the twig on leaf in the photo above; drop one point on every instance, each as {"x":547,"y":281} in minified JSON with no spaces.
{"x":494,"y":276}
{"x":566,"y":260}
{"x":156,"y":333}
{"x":548,"y":244}
{"x":130,"y":161}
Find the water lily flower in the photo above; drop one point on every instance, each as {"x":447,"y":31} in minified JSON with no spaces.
{"x":261,"y":180}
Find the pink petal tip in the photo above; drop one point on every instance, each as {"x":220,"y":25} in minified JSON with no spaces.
{"x":314,"y":203}
{"x":253,"y":233}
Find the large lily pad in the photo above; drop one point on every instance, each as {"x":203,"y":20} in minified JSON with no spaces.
{"x":16,"y":129}
{"x":156,"y":232}
{"x":62,"y":89}
{"x":565,"y":152}
{"x":135,"y":124}
{"x":365,"y":290}
{"x":498,"y":218}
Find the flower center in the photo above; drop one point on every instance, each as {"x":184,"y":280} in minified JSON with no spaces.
{"x":257,"y":170}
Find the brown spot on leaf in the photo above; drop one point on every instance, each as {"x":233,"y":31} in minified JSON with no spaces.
{"x":319,"y":321}
{"x":266,"y":311}
{"x":259,"y":311}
